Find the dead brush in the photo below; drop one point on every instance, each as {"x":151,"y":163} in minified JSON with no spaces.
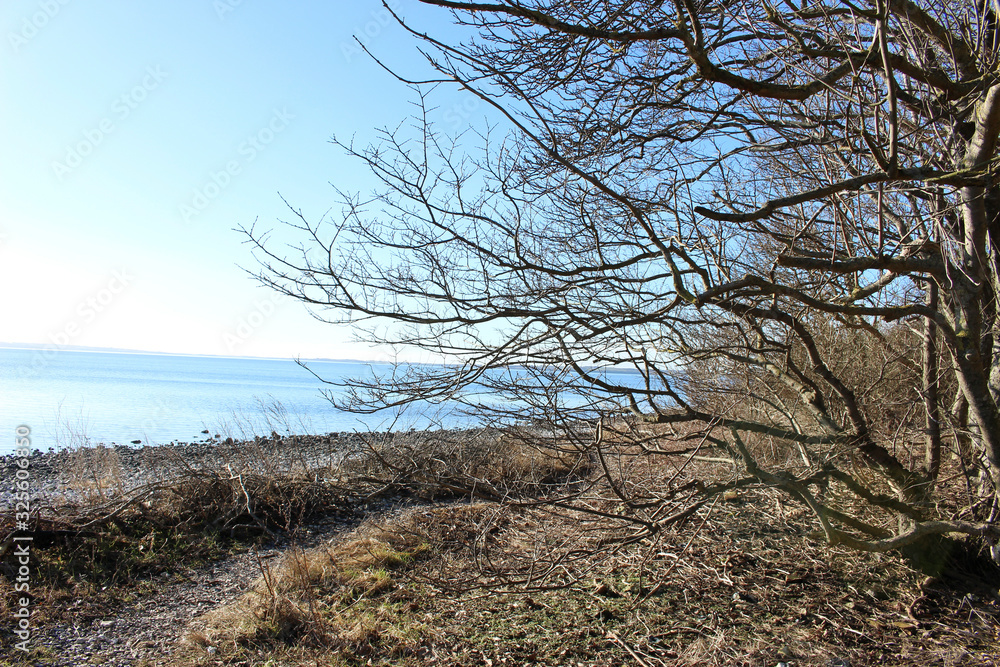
{"x":93,"y":472}
{"x":226,"y":500}
{"x":530,"y":466}
{"x":487,"y":464}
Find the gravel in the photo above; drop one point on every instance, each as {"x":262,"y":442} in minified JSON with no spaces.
{"x":147,"y":630}
{"x":62,"y":475}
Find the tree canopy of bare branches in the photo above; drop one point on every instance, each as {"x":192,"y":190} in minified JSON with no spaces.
{"x":782,"y":216}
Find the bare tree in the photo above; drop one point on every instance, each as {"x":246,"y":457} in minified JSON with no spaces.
{"x":783,"y":217}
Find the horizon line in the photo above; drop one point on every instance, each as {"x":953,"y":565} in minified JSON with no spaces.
{"x":124,"y":350}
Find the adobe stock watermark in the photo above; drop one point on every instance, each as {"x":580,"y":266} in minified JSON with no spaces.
{"x":459,"y":113}
{"x":380,"y":19}
{"x":246,"y":153}
{"x":86,"y":312}
{"x":223,"y":7}
{"x":34,"y":24}
{"x":121,"y":108}
{"x":20,"y":542}
{"x":261,"y":312}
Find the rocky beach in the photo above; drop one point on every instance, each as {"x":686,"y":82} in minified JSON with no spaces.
{"x":60,"y":475}
{"x":448,"y":548}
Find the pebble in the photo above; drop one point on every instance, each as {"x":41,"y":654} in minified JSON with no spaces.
{"x":54,"y":474}
{"x":150,"y":628}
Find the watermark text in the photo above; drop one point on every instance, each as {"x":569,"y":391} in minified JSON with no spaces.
{"x":34,"y":24}
{"x":22,"y":539}
{"x":121,"y":108}
{"x":246,"y":152}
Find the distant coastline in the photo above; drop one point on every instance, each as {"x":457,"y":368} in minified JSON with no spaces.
{"x":122,"y":350}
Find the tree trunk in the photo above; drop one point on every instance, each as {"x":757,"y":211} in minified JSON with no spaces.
{"x":930,"y":381}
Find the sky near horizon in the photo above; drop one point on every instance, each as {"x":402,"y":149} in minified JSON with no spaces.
{"x":137,"y":136}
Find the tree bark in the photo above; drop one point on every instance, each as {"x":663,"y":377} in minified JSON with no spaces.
{"x":930,"y":381}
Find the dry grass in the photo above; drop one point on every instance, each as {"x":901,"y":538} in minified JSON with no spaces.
{"x":94,"y":473}
{"x":738,"y":583}
{"x":458,"y":581}
{"x":346,"y":595}
{"x":740,"y":587}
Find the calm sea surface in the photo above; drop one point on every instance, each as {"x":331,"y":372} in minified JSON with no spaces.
{"x":69,"y":397}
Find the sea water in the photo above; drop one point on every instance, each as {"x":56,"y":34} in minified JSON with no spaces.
{"x":71,"y":398}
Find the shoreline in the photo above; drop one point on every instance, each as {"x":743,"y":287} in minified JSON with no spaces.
{"x":65,"y":475}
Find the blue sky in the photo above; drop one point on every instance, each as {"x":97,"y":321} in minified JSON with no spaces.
{"x":136,"y":136}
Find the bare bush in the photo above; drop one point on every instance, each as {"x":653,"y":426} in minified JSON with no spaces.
{"x":485,"y":463}
{"x":781,"y":218}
